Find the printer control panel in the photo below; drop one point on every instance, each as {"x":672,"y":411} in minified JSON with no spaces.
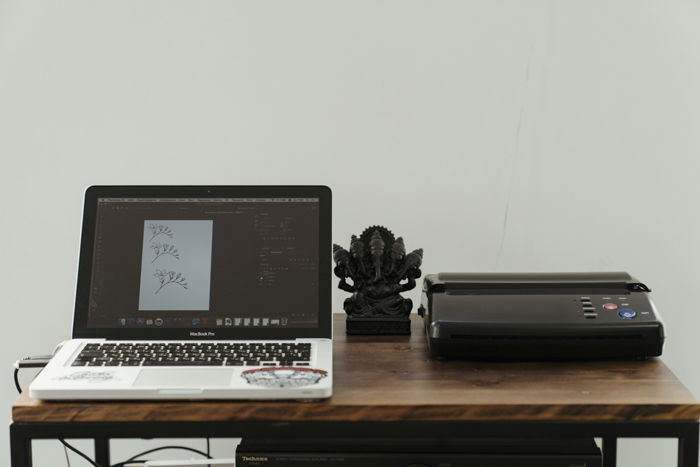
{"x":615,"y":307}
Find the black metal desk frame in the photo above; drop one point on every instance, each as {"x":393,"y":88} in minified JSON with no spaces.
{"x":22,"y":433}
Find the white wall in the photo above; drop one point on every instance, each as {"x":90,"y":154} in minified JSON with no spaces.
{"x":502,"y":135}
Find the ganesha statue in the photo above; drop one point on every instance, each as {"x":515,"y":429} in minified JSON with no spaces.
{"x":380,"y":269}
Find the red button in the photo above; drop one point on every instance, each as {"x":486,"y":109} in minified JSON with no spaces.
{"x":610,"y":306}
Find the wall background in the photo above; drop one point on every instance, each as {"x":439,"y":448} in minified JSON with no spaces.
{"x":497,"y":135}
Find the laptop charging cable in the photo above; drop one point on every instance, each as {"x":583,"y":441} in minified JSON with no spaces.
{"x":40,"y":361}
{"x":33,"y":361}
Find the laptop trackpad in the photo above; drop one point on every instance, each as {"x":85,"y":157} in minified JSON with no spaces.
{"x":184,"y":378}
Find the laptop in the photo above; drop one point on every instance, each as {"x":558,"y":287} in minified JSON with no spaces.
{"x":199,"y":292}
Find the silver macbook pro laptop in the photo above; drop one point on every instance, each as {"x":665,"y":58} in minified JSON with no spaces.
{"x":188,"y":292}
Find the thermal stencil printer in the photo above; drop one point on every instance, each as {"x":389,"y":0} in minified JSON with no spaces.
{"x":539,"y":316}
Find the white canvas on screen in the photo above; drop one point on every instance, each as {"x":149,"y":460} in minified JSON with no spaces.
{"x":176,"y":265}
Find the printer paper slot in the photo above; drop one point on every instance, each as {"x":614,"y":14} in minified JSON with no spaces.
{"x":532,"y":289}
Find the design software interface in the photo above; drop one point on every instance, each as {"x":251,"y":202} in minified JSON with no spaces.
{"x":238,"y":262}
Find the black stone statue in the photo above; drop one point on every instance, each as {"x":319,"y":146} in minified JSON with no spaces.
{"x":378,"y":265}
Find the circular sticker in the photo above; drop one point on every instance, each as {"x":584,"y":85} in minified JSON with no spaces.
{"x":283,"y":377}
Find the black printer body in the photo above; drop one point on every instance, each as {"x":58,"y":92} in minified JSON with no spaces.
{"x":539,"y":316}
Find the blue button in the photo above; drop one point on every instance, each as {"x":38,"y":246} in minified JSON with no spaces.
{"x":626,"y":313}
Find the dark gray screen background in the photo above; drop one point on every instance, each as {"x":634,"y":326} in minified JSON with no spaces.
{"x":264,"y":262}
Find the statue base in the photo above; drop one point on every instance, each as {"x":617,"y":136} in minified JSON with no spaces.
{"x":379,"y":326}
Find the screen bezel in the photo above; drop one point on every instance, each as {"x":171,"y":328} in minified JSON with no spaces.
{"x":87,"y":244}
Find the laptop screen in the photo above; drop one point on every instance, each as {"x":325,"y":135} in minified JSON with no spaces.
{"x":243,"y":265}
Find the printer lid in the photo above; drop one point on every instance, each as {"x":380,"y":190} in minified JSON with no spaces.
{"x":533,"y":282}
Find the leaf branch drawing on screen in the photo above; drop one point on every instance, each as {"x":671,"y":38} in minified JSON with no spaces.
{"x":161,"y":249}
{"x":159,"y":229}
{"x":170,"y":277}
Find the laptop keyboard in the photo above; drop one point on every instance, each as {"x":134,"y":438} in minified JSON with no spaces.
{"x":194,"y":354}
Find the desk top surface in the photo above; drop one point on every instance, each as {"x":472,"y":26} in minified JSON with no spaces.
{"x":390,"y":378}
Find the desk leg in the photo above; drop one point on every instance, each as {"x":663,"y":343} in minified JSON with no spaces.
{"x":20,"y":448}
{"x":102,"y":451}
{"x":609,"y":452}
{"x":688,"y":447}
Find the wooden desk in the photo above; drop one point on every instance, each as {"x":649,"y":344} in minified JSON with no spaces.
{"x":387,"y":386}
